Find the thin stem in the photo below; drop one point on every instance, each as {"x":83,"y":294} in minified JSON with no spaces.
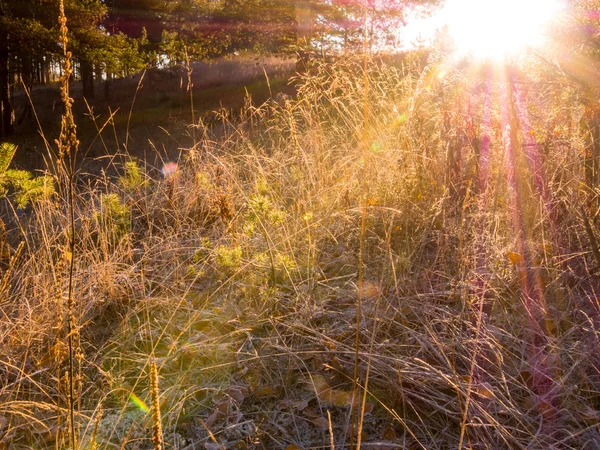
{"x":363,"y":226}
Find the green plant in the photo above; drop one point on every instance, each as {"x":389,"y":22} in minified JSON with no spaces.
{"x":23,"y":185}
{"x":114,"y":217}
{"x":133,"y":178}
{"x":228,"y":258}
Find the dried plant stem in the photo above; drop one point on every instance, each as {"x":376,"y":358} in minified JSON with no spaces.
{"x":68,"y":145}
{"x":98,"y":418}
{"x":330,"y":425}
{"x":190,"y":90}
{"x":157,"y":434}
{"x":591,"y":236}
{"x":137,"y":89}
{"x":363,"y":223}
{"x":363,"y":403}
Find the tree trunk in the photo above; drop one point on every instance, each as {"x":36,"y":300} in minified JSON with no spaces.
{"x":107,"y":86}
{"x":39,"y":70}
{"x":98,"y":72}
{"x":47,"y":63}
{"x":87,"y":79}
{"x":27,"y":75}
{"x":6,"y":111}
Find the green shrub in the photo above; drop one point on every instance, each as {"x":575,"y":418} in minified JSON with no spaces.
{"x":25,"y":187}
{"x":134,"y":177}
{"x":114,"y":217}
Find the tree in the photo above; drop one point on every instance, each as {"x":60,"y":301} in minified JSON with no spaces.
{"x":27,"y":34}
{"x":119,"y":56}
{"x":85,"y":16}
{"x":6,"y":112}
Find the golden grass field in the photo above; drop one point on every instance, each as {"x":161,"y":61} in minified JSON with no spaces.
{"x":401,"y":256}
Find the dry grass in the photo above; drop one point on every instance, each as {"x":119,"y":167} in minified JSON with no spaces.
{"x":233,"y":281}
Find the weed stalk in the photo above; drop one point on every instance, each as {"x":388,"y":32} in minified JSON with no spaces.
{"x":363,"y":223}
{"x":67,"y":146}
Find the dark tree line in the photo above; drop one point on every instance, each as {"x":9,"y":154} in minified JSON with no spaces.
{"x":115,"y":38}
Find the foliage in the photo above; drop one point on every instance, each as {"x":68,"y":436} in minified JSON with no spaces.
{"x":23,"y":185}
{"x":113,"y":217}
{"x":134,"y":177}
{"x":27,"y":188}
{"x":228,"y":257}
{"x":7,"y":153}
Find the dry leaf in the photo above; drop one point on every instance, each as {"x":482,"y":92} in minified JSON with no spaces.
{"x":329,"y":396}
{"x":310,"y":412}
{"x":321,"y":423}
{"x":293,"y":447}
{"x":300,"y":405}
{"x":322,"y":388}
{"x":485,"y":390}
{"x":237,"y":394}
{"x":265,"y":392}
{"x":389,"y":434}
{"x":340,"y":398}
{"x":529,"y":402}
{"x":369,"y":290}
{"x":514,"y":258}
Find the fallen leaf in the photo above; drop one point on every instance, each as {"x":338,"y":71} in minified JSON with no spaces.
{"x":514,"y":258}
{"x":322,"y":388}
{"x":369,"y":290}
{"x":389,"y":434}
{"x":321,"y":423}
{"x":340,"y":398}
{"x":300,"y":405}
{"x":310,"y":412}
{"x":529,"y":402}
{"x":485,"y":390}
{"x":265,"y":392}
{"x":330,"y":345}
{"x":236,"y":394}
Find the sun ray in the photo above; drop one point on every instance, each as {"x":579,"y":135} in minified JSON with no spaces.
{"x":495,"y":29}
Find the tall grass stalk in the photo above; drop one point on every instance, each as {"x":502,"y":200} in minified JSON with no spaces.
{"x":363,"y":227}
{"x":137,"y":89}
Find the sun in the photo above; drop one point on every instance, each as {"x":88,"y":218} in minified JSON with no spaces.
{"x":495,"y":29}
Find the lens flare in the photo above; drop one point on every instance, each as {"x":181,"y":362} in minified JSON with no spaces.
{"x":139,"y":403}
{"x":494,"y":29}
{"x":169,"y":169}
